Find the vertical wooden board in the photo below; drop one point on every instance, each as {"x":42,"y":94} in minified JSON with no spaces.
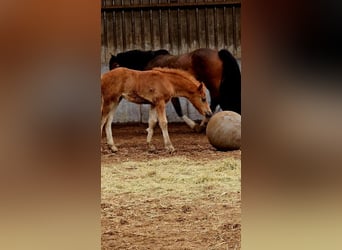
{"x":103,"y":31}
{"x":113,"y":48}
{"x":125,"y":2}
{"x":104,"y":45}
{"x":173,"y":30}
{"x":156,"y":30}
{"x":237,"y":22}
{"x":142,"y":29}
{"x":165,"y":34}
{"x":229,"y":29}
{"x":110,"y":27}
{"x":193,"y":41}
{"x":127,"y":28}
{"x":147,"y":30}
{"x":154,"y":1}
{"x":131,"y":29}
{"x":183,"y":32}
{"x":159,"y":28}
{"x":123,"y":30}
{"x":138,"y":31}
{"x":220,"y":28}
{"x":210,"y":28}
{"x":118,"y":30}
{"x":152,"y":29}
{"x":202,"y":28}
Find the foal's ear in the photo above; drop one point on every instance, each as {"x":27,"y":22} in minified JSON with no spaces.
{"x":200,"y":87}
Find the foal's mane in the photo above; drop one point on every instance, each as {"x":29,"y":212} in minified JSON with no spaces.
{"x":179,"y":72}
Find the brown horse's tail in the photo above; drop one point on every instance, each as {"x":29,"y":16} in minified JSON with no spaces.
{"x":230,"y":87}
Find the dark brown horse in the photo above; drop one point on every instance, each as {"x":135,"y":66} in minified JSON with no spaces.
{"x":218,"y":70}
{"x":155,"y":87}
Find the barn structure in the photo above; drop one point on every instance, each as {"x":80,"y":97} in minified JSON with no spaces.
{"x":178,"y":26}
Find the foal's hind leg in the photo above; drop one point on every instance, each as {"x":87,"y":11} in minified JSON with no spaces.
{"x":109,"y":135}
{"x":163,"y":126}
{"x":152,"y":121}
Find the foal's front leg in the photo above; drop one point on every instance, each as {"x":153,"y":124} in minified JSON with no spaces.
{"x":163,"y":126}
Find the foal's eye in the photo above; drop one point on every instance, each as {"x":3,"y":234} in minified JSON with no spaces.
{"x":203,"y":99}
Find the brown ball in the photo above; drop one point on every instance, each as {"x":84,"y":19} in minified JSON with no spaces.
{"x":224,"y":130}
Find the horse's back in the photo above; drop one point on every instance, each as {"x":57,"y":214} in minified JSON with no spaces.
{"x":135,"y":59}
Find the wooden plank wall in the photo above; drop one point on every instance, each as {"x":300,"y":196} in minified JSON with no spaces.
{"x":179,"y":26}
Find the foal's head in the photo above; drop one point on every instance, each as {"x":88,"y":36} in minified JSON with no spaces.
{"x":200,"y":102}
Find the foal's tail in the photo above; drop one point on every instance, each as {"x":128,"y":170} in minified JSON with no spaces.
{"x":230,"y":87}
{"x":102,"y":103}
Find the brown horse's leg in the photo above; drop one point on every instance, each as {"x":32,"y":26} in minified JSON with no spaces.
{"x":109,"y":135}
{"x":160,"y":107}
{"x":152,"y":121}
{"x":176,"y":104}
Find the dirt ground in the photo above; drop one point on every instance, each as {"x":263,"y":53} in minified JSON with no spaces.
{"x":130,"y":221}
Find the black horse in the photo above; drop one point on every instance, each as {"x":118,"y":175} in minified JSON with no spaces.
{"x":218,"y":70}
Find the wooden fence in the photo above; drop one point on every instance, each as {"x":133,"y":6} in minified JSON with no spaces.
{"x":176,"y":25}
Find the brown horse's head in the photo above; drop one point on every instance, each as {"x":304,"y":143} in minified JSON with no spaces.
{"x":200,"y":102}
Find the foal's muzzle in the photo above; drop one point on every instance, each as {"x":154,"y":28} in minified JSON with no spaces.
{"x":208,"y":114}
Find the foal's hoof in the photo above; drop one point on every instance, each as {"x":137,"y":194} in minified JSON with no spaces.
{"x":151,"y":149}
{"x":114,"y":149}
{"x":170,"y":149}
{"x":199,"y":129}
